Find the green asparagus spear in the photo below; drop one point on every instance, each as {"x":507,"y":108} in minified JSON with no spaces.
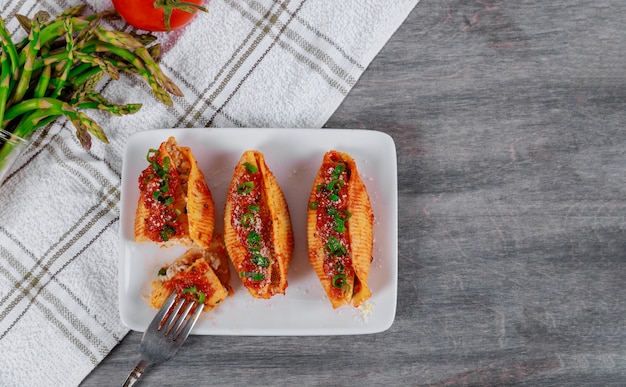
{"x":155,"y":70}
{"x":159,"y":91}
{"x":5,"y":81}
{"x":54,"y":72}
{"x":94,"y":100}
{"x":69,"y":28}
{"x":118,"y":39}
{"x":9,"y":47}
{"x":30,"y":53}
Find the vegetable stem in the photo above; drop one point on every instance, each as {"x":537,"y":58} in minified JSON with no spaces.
{"x":169,"y":6}
{"x":55,"y":69}
{"x":9,"y":47}
{"x":30,"y":55}
{"x":5,"y":81}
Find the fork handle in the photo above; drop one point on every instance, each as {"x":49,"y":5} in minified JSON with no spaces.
{"x":136,"y":373}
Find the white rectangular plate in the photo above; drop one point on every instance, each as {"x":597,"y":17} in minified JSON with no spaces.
{"x":294,"y":156}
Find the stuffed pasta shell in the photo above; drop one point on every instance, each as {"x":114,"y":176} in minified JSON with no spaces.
{"x":257,"y":227}
{"x":340,"y":230}
{"x":175,"y":203}
{"x":200,"y":274}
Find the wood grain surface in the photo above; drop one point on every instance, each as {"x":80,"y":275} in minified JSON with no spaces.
{"x":508,"y":117}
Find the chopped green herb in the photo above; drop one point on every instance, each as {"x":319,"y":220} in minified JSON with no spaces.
{"x":334,"y":247}
{"x":166,"y":164}
{"x":166,"y":232}
{"x":340,"y":225}
{"x":254,"y":241}
{"x":200,"y":296}
{"x":313,"y":205}
{"x":171,"y":215}
{"x":338,"y":170}
{"x":151,"y":153}
{"x":162,"y":271}
{"x":339,"y":281}
{"x":252,"y":275}
{"x":335,"y":185}
{"x":250,"y":168}
{"x":260,"y":260}
{"x":247,"y":220}
{"x":245,"y":188}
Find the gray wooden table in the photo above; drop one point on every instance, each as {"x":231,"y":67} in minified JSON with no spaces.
{"x":508,"y":118}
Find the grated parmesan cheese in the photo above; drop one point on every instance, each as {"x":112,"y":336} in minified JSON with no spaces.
{"x":365,"y":310}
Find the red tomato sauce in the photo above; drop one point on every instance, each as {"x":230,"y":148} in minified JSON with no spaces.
{"x":194,"y":277}
{"x":250,"y":215}
{"x":161,"y":215}
{"x":329,"y":208}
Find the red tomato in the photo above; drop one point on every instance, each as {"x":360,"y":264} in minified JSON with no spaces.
{"x":150,"y":15}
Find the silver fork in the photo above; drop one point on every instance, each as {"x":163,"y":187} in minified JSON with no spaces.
{"x":165,"y":334}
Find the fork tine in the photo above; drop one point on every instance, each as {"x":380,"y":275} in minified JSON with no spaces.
{"x":173,"y":315}
{"x":181,"y":319}
{"x":191,"y":321}
{"x":158,"y":319}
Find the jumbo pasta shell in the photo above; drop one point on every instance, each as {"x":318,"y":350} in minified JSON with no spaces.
{"x":199,"y":272}
{"x":257,"y":227}
{"x":340,"y":230}
{"x":200,"y":206}
{"x":175,"y":203}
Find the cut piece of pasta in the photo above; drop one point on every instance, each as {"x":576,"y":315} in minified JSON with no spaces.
{"x":340,"y":230}
{"x":200,"y":274}
{"x":175,"y":203}
{"x":257,"y":227}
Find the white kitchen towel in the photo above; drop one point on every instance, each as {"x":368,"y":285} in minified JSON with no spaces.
{"x":246,"y":63}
